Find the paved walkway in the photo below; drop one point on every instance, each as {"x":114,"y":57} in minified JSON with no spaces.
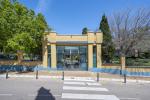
{"x":86,"y":90}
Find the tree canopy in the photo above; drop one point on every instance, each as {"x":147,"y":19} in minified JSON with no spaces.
{"x":20,"y":28}
{"x":84,"y":30}
{"x":131,"y":31}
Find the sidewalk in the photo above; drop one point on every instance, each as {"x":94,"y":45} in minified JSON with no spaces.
{"x":77,"y":74}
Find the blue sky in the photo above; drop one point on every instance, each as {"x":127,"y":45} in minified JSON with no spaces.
{"x":70,"y":16}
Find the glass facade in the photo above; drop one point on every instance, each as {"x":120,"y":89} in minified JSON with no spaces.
{"x":94,"y":57}
{"x":83,"y":57}
{"x":49,"y":56}
{"x":72,"y":57}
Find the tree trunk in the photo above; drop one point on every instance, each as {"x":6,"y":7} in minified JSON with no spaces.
{"x":20,"y":56}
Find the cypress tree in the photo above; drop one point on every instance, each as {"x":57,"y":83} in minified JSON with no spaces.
{"x":107,"y":46}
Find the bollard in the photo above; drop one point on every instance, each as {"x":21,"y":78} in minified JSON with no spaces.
{"x":37,"y":74}
{"x":63,"y":75}
{"x":97,"y":77}
{"x":125,"y":78}
{"x":7,"y":74}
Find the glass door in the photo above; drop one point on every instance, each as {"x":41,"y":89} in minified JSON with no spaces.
{"x":72,"y":57}
{"x":75,"y":58}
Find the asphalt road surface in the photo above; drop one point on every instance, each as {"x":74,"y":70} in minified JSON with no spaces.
{"x":71,"y":89}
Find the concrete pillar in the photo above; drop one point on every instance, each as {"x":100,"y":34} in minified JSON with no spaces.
{"x":53,"y":56}
{"x":45,"y":52}
{"x":90,"y":56}
{"x":99,"y":40}
{"x":99,"y":55}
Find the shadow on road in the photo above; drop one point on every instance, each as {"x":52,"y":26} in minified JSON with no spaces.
{"x":44,"y":94}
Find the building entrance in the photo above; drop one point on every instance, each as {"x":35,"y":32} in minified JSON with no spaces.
{"x":72,"y":57}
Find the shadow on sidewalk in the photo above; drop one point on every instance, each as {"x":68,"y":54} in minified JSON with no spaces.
{"x":44,"y":94}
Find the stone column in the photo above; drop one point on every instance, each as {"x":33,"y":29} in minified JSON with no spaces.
{"x":53,"y":56}
{"x":99,"y":55}
{"x":45,"y":52}
{"x":90,"y":56}
{"x":91,"y":40}
{"x":99,"y":40}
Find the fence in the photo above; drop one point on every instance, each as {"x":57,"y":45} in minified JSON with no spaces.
{"x":120,"y":69}
{"x":14,"y":65}
{"x":125,"y":69}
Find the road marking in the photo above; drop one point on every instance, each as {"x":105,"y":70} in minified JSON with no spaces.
{"x":84,"y":80}
{"x":57,"y":95}
{"x":84,"y":88}
{"x":89,"y":96}
{"x":92,"y":84}
{"x":82,"y":83}
{"x":75,"y":83}
{"x":128,"y":99}
{"x":6,"y":94}
{"x":42,"y":95}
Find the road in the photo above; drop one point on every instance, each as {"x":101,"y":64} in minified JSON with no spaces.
{"x":70,"y":89}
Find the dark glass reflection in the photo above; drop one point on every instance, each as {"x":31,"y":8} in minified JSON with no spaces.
{"x":94,"y":57}
{"x":49,"y":56}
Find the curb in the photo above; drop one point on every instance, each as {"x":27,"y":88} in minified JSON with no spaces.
{"x":75,"y":78}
